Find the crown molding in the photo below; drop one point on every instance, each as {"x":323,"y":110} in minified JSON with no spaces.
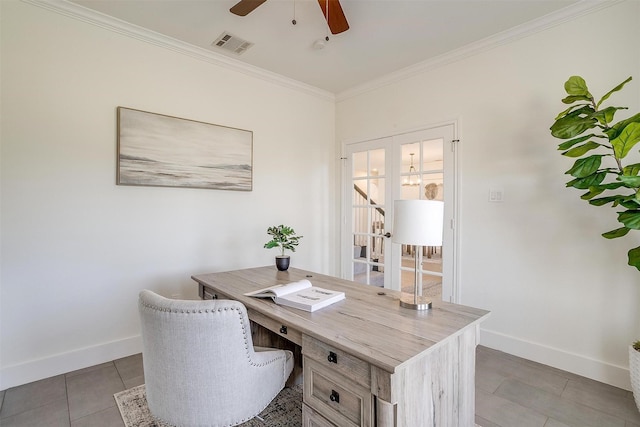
{"x":561,"y":16}
{"x":119,"y":26}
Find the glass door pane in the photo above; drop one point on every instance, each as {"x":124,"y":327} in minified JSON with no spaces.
{"x":422,"y":177}
{"x":368,"y":216}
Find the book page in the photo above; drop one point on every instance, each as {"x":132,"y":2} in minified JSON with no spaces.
{"x":294,"y":287}
{"x":280,"y":290}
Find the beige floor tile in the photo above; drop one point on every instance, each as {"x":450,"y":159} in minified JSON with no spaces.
{"x":52,"y":414}
{"x":556,"y":407}
{"x":107,"y":418}
{"x":603,"y":397}
{"x":505,"y":413}
{"x":33,"y":395}
{"x":130,"y":367}
{"x":93,"y":391}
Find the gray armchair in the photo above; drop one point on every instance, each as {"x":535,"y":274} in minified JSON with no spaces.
{"x":200,"y":366}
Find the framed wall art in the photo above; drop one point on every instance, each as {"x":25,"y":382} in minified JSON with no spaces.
{"x":164,"y":151}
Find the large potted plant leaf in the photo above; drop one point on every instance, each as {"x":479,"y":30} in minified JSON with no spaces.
{"x":600,"y":146}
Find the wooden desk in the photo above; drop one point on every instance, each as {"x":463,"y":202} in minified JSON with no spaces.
{"x":366,"y":360}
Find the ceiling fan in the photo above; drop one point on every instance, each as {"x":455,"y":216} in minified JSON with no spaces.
{"x":331,"y":9}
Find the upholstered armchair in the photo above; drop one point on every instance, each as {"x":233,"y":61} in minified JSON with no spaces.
{"x":200,"y":366}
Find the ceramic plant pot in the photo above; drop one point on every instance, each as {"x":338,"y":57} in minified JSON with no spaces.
{"x":282,"y":262}
{"x":634,"y":373}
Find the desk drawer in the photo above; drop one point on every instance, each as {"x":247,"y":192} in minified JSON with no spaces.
{"x":340,"y":400}
{"x":285,"y":331}
{"x":311,"y":418}
{"x":338,"y":361}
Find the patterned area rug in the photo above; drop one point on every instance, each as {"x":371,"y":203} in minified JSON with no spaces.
{"x":284,"y":411}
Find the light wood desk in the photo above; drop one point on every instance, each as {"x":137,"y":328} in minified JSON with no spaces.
{"x":366,"y":360}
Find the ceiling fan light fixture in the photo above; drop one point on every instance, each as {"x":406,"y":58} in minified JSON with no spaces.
{"x":320,"y":44}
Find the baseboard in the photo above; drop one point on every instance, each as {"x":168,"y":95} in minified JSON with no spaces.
{"x":62,"y":363}
{"x":598,"y":370}
{"x":38,"y":369}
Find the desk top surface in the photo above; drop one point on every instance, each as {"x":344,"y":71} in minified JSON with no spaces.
{"x":368,"y":325}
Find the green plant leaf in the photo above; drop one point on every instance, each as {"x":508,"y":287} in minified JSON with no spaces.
{"x":605,"y":116}
{"x":570,"y":109}
{"x":634,"y":257}
{"x":630,"y":181}
{"x":615,"y":130}
{"x":585,"y":167}
{"x":604,"y":200}
{"x":630,"y":203}
{"x":577,"y":86}
{"x":593,"y":192}
{"x":615,"y":89}
{"x":630,"y":219}
{"x":626,"y":140}
{"x":611,"y":185}
{"x":271,"y":244}
{"x":614,"y":234}
{"x":589,"y":181}
{"x":574,"y":123}
{"x":598,"y":189}
{"x":570,"y":143}
{"x":574,"y":98}
{"x":581,"y":149}
{"x":631,"y":170}
{"x":570,"y":126}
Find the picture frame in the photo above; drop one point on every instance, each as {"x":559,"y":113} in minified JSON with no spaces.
{"x":164,"y":151}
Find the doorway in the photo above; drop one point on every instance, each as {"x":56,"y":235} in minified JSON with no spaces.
{"x":413,"y":165}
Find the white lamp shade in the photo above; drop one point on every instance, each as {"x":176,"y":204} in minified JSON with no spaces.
{"x":418,"y":222}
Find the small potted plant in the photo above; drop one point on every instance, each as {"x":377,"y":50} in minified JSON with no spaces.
{"x":282,"y":237}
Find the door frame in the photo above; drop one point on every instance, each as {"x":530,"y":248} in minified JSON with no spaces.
{"x":345,"y":209}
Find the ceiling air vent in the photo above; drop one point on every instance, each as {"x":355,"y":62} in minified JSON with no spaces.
{"x":232,"y":43}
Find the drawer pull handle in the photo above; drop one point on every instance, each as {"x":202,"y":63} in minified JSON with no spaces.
{"x":335,"y":396}
{"x":332,"y":357}
{"x":283,"y":329}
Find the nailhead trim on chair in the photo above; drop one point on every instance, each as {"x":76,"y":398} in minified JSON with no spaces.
{"x":199,"y":311}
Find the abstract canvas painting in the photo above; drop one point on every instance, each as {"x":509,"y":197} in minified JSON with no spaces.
{"x":164,"y":151}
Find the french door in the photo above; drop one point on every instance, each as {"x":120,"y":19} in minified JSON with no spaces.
{"x":413,"y":165}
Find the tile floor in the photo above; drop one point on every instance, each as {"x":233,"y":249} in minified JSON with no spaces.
{"x":514,"y":392}
{"x":82,"y":398}
{"x":510,"y":392}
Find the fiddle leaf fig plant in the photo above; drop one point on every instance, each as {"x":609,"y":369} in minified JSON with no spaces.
{"x":283,"y":237}
{"x":600,"y":146}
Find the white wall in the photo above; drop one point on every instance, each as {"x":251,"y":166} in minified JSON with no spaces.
{"x":76,"y":248}
{"x":559,"y":293}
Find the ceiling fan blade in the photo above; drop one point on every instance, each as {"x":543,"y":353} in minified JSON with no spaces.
{"x":336,"y":19}
{"x":245,"y":7}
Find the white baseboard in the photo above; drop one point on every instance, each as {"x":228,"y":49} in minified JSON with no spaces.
{"x":598,"y":370}
{"x":34,"y":370}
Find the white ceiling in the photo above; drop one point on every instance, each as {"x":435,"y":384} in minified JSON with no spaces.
{"x":384,"y":35}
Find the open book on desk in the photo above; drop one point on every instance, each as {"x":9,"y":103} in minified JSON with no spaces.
{"x":302,"y":295}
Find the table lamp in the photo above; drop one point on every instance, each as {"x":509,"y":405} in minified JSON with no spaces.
{"x":419,"y":223}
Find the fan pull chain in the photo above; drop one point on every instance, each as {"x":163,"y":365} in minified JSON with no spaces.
{"x":293,"y":21}
{"x":327,"y":18}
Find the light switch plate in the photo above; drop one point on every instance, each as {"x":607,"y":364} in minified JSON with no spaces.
{"x":496,"y":195}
